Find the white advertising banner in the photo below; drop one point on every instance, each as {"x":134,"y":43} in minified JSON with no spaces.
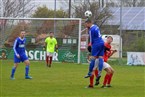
{"x":136,"y":58}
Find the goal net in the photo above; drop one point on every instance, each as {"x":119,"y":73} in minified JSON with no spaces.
{"x":67,"y":31}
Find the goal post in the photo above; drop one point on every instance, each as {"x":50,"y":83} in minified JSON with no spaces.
{"x":65,"y":20}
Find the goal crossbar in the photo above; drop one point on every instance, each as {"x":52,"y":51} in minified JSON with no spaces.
{"x":11,"y":18}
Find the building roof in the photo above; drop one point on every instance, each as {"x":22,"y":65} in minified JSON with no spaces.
{"x":133,"y":18}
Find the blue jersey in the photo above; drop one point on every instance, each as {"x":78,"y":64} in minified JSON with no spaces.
{"x":95,"y":35}
{"x":19,"y":46}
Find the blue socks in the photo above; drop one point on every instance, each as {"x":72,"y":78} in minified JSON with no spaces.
{"x":91,"y":66}
{"x":13,"y":71}
{"x":27,"y":70}
{"x":100,"y":66}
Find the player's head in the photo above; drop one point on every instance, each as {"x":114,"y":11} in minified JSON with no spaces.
{"x":22,"y":33}
{"x":109,"y":39}
{"x":88,"y":23}
{"x":51,"y":34}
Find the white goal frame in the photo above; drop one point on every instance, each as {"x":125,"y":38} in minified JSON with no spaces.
{"x":78,"y":19}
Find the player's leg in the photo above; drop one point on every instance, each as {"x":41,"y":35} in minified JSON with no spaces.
{"x":94,"y":54}
{"x":91,"y":66}
{"x":27,"y":68}
{"x":25,"y":59}
{"x":91,"y":85}
{"x":95,"y":73}
{"x":98,"y":51}
{"x":108,"y":70}
{"x":16,"y":61}
{"x":100,"y":54}
{"x":98,"y":76}
{"x":47,"y":58}
{"x":110,"y":77}
{"x":100,"y":65}
{"x":13,"y":70}
{"x":50,"y":59}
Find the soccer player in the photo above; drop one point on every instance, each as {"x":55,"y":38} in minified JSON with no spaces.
{"x":20,"y":55}
{"x":107,"y":55}
{"x":97,"y":47}
{"x":51,"y":45}
{"x":109,"y":70}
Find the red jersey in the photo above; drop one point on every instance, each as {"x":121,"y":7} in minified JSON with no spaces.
{"x":107,"y":52}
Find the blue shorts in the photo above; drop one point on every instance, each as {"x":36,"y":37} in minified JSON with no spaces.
{"x":98,"y":49}
{"x":22,"y":58}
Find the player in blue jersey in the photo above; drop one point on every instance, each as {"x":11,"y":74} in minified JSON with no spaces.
{"x":97,"y":45}
{"x":20,"y":55}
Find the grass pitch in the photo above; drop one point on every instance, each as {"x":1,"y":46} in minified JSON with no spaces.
{"x":66,"y":80}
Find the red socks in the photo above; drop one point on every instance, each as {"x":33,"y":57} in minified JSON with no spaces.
{"x":50,"y":61}
{"x":96,"y":73}
{"x":92,"y":78}
{"x":107,"y":79}
{"x":110,"y":78}
{"x":47,"y":60}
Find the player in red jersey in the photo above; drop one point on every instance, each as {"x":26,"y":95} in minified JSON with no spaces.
{"x":109,"y":70}
{"x":107,"y":55}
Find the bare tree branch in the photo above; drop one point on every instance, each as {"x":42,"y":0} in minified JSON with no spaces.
{"x":14,"y":8}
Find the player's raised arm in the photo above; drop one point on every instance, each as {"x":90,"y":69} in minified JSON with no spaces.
{"x":112,"y":52}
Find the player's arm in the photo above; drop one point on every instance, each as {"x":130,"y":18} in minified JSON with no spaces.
{"x":112,"y":52}
{"x":25,"y":48}
{"x":56,"y":46}
{"x":14,"y":48}
{"x":45,"y":44}
{"x":91,"y":34}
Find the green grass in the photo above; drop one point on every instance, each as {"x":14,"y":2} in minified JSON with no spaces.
{"x":66,"y":80}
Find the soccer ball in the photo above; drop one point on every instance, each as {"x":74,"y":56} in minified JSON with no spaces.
{"x":88,"y":13}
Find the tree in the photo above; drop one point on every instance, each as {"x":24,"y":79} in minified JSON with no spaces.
{"x":13,"y":8}
{"x":44,"y":12}
{"x":16,"y":8}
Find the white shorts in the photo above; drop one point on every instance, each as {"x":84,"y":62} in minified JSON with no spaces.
{"x":49,"y":54}
{"x":105,"y":65}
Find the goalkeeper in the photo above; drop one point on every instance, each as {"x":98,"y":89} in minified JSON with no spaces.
{"x":50,"y":47}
